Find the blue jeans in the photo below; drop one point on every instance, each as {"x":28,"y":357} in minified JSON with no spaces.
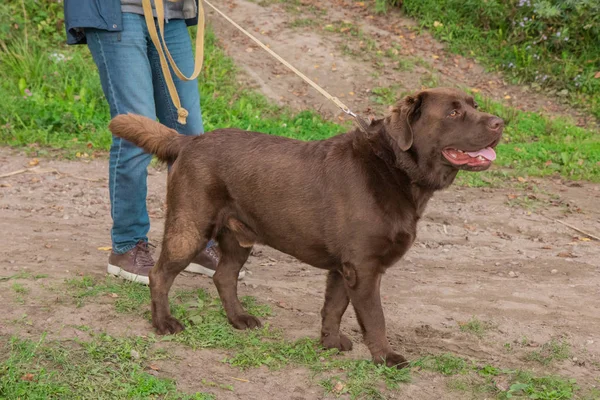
{"x":133,"y":82}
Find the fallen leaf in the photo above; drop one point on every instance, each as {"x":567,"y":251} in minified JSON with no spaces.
{"x":566,"y":254}
{"x":339,"y":386}
{"x":507,"y":97}
{"x":437,"y":24}
{"x":249,"y":50}
{"x":154,"y":367}
{"x":27,"y":377}
{"x":597,"y":75}
{"x":521,"y":179}
{"x":106,"y":248}
{"x":435,"y":57}
{"x":512,"y":196}
{"x":351,"y":93}
{"x":113,"y":295}
{"x":475,"y":90}
{"x":34,"y":162}
{"x":7,"y":185}
{"x":584,"y":239}
{"x":547,"y":247}
{"x":547,"y":163}
{"x":48,"y":246}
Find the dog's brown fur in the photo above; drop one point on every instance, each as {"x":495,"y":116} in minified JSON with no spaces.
{"x":349,"y":204}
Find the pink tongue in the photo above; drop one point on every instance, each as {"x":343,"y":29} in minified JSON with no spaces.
{"x":487,"y":153}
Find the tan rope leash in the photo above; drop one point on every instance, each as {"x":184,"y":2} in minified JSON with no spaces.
{"x":361,"y":123}
{"x":182,"y":113}
{"x":159,"y":43}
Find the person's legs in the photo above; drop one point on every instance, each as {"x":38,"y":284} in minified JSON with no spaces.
{"x":126,"y":77}
{"x":180,"y":46}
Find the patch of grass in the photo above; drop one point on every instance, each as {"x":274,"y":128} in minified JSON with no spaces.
{"x":129,"y":296}
{"x":550,"y":352}
{"x":490,"y":178}
{"x":363,"y":378}
{"x":303,"y":22}
{"x":535,"y":145}
{"x":19,"y":288}
{"x":53,"y":98}
{"x":23,"y":275}
{"x":386,"y":96}
{"x":102,"y":368}
{"x":524,"y":385}
{"x":547,"y":43}
{"x":475,"y":326}
{"x":445,"y":364}
{"x":206,"y":326}
{"x":430,"y":80}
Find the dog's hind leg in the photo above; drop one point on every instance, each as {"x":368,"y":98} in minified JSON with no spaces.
{"x":181,"y":243}
{"x":233,"y":257}
{"x":336,"y":302}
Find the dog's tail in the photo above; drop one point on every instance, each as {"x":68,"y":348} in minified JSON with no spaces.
{"x":150,"y":135}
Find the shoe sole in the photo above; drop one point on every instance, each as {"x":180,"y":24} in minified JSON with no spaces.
{"x":199,"y":269}
{"x":120,"y":272}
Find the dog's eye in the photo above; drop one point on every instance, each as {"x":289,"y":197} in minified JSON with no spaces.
{"x":453,"y":114}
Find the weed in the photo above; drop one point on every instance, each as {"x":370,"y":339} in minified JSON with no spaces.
{"x":543,"y":388}
{"x":19,"y":288}
{"x":550,"y":352}
{"x":303,"y":22}
{"x":475,"y":327}
{"x":446,"y":364}
{"x":362,"y":378}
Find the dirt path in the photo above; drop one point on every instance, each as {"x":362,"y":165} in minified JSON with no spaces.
{"x":351,"y":51}
{"x":530,"y":279}
{"x":484,"y":253}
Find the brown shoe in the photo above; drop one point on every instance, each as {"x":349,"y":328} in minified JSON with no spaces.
{"x":134,"y":265}
{"x":206,"y":263}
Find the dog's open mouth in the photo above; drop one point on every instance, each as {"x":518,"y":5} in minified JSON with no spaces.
{"x":479,"y":159}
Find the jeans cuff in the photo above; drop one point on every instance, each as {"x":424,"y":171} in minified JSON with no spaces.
{"x":123,"y":249}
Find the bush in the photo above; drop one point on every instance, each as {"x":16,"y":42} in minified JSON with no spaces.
{"x":548,"y":43}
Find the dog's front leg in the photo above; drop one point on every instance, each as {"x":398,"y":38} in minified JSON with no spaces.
{"x":363,"y":288}
{"x":336,"y":302}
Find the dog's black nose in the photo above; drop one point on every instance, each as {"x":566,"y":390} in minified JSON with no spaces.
{"x":496,"y":123}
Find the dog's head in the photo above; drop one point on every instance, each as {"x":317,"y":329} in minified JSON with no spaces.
{"x":442,"y":129}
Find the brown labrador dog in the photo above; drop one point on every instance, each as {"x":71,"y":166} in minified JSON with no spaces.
{"x":349,"y":204}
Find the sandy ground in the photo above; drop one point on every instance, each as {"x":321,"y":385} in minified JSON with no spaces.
{"x":478,"y":254}
{"x":491,"y":253}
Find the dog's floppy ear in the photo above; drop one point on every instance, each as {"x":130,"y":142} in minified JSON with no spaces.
{"x":402,"y":115}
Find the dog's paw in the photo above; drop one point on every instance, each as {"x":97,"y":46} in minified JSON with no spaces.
{"x":168,"y":325}
{"x":340,"y":342}
{"x":245,"y":321}
{"x":392,"y":360}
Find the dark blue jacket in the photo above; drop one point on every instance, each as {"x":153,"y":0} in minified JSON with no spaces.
{"x":100,"y":14}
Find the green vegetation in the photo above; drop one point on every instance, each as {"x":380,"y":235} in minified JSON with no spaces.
{"x":475,"y":326}
{"x":104,"y":367}
{"x":550,"y":44}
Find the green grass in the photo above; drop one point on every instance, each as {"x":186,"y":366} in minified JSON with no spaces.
{"x":548,"y":44}
{"x":550,"y":352}
{"x":53,"y":100}
{"x":206,"y":326}
{"x":60,"y":104}
{"x":104,"y":367}
{"x":475,"y":326}
{"x":532,"y":144}
{"x":535,"y":145}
